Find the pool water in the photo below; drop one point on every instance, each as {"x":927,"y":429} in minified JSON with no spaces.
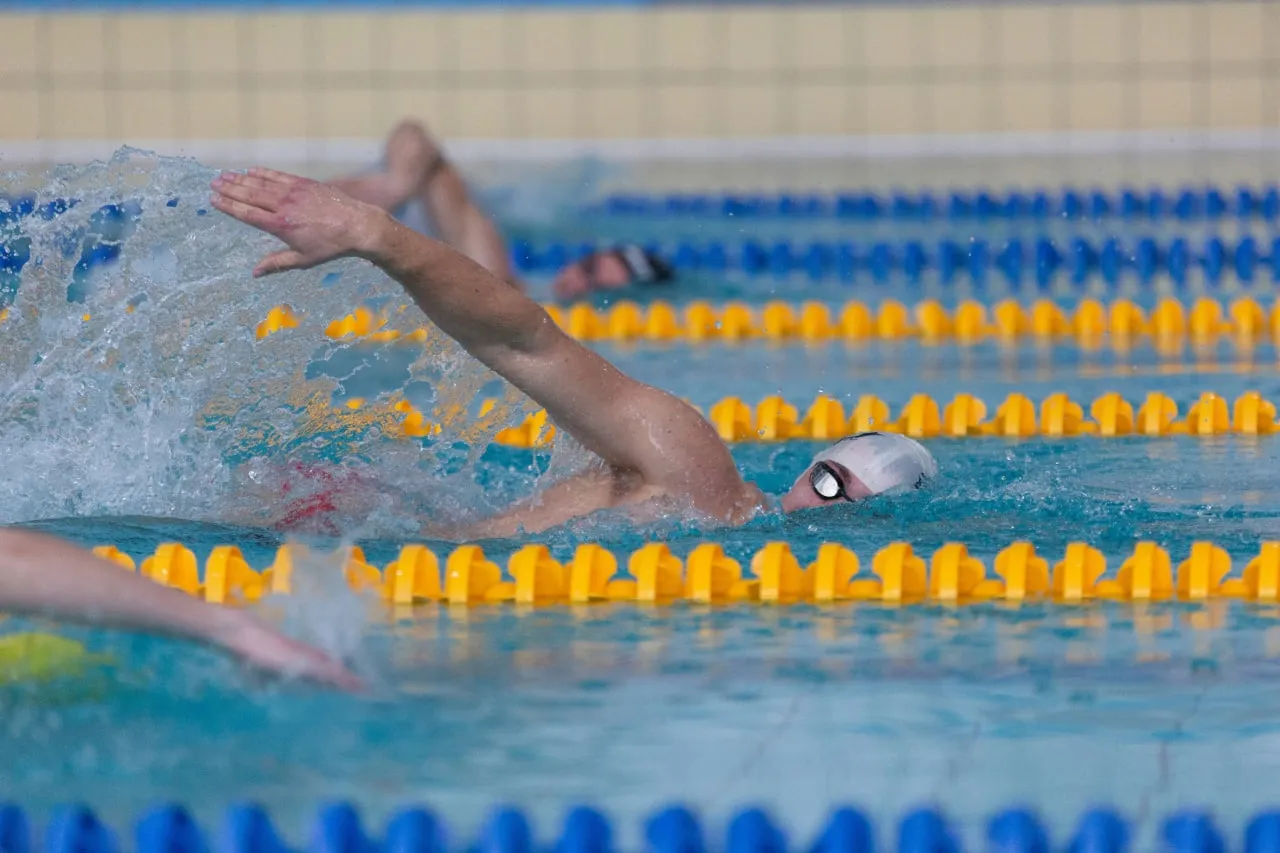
{"x":170,"y":421}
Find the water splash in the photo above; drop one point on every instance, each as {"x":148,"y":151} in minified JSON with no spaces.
{"x":153,"y":397}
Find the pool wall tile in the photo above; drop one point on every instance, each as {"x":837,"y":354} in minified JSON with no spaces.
{"x":645,"y":72}
{"x":210,"y":48}
{"x":79,"y":114}
{"x":21,"y":111}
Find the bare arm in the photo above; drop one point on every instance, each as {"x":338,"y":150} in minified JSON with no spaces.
{"x":43,"y":575}
{"x":632,"y":426}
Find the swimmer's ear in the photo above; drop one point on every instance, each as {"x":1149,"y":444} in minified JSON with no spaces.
{"x":282,"y":261}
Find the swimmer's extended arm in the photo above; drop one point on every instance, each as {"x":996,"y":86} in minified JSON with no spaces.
{"x":632,"y":426}
{"x":45,"y":576}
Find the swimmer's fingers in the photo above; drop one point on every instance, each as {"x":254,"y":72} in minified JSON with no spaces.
{"x":246,"y":213}
{"x":273,"y":176}
{"x":282,"y":261}
{"x":250,"y":190}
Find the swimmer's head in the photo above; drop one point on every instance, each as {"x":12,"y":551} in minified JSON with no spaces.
{"x":611,"y":269}
{"x":861,"y":466}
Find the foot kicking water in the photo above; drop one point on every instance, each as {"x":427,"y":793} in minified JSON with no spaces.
{"x":656,"y":453}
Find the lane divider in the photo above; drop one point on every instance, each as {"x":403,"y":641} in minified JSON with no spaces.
{"x":337,"y":828}
{"x":774,"y":419}
{"x":1121,"y":322}
{"x":1016,"y":261}
{"x":1186,"y":204}
{"x":896,"y":575}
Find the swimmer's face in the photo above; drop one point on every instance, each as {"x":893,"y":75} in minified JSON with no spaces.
{"x":824,"y":483}
{"x":599,"y":271}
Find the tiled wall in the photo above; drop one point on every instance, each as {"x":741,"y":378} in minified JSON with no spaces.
{"x":643,"y":72}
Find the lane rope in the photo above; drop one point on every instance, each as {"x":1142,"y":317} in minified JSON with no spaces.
{"x":895,"y":575}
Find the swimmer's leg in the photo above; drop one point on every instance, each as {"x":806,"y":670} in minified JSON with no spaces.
{"x":416,"y":168}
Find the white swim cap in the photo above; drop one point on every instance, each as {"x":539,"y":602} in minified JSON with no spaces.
{"x":884,"y":462}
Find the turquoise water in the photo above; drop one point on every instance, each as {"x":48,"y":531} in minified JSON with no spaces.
{"x":172,"y":422}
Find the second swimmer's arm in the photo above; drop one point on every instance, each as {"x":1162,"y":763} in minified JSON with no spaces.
{"x":45,"y":576}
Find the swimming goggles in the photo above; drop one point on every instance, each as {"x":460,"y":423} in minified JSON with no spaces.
{"x":827,"y":483}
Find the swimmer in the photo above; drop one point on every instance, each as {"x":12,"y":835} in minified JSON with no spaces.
{"x":44,"y":576}
{"x":416,"y":178}
{"x":656,"y":452}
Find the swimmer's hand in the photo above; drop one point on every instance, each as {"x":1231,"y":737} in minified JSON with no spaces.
{"x":265,"y":648}
{"x":317,"y":221}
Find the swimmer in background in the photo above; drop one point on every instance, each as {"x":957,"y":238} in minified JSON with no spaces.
{"x":656,"y":453}
{"x":417,"y":179}
{"x":44,"y":576}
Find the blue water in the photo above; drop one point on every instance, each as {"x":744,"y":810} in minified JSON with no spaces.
{"x":167,"y":423}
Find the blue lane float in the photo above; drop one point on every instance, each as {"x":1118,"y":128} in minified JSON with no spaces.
{"x":1186,"y":204}
{"x":337,"y":828}
{"x":1017,"y":262}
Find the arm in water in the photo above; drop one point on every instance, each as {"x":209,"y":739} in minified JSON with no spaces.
{"x":41,"y":575}
{"x":650,"y":439}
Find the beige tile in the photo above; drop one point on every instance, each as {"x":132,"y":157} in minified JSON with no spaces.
{"x":829,"y":110}
{"x":958,"y":36}
{"x":754,"y":41}
{"x":76,"y":43}
{"x":215,"y":114}
{"x":21,"y":111}
{"x":892,"y":38}
{"x":1236,"y":103}
{"x":485,"y":113}
{"x":1165,"y":104}
{"x":428,"y":105}
{"x":616,"y":112}
{"x":417,"y":42}
{"x":209,"y":44}
{"x":1033,"y":107}
{"x":826,"y":39}
{"x":1099,"y":106}
{"x":20,"y":42}
{"x":753,"y":111}
{"x":615,"y":39}
{"x":78,"y":115}
{"x":1095,"y":35}
{"x":894,"y":108}
{"x":961,"y":107}
{"x":281,"y":113}
{"x":685,"y":39}
{"x":344,"y":113}
{"x":1028,"y":36}
{"x":686,"y":111}
{"x":280,"y":44}
{"x":1236,"y":33}
{"x":549,"y":41}
{"x":1166,"y":33}
{"x":146,"y":114}
{"x":346,"y":42}
{"x":145,"y":45}
{"x":552,"y":113}
{"x":480,"y":41}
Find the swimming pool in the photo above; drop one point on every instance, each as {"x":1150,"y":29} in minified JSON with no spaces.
{"x":1147,"y":707}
